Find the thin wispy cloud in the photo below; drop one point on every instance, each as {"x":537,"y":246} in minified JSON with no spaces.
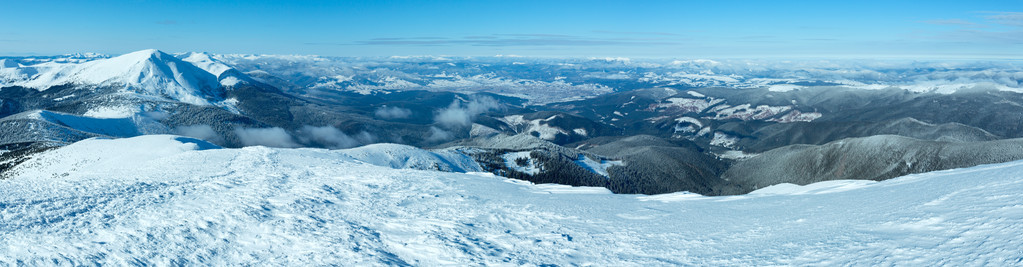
{"x":528,"y":39}
{"x":955,"y":22}
{"x":762,"y":39}
{"x":1008,"y":37}
{"x":538,"y":35}
{"x":538,"y":28}
{"x":758,"y":37}
{"x":640,"y":33}
{"x":996,"y":27}
{"x":409,"y":38}
{"x":1006,"y":18}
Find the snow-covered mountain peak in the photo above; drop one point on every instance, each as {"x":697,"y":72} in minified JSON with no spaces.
{"x":147,"y":72}
{"x":227,"y":75}
{"x":205,"y":61}
{"x":86,"y":55}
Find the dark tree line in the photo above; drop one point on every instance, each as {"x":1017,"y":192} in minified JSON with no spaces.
{"x":553,"y":168}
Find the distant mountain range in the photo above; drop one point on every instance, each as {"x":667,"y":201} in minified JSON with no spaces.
{"x":632,"y":126}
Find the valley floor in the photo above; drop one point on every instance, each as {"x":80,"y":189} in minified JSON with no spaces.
{"x":162,"y":200}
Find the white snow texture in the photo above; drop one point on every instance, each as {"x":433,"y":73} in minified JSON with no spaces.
{"x":168,"y":200}
{"x":147,"y":72}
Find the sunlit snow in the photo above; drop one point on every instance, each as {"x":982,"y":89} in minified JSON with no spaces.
{"x":173,"y":200}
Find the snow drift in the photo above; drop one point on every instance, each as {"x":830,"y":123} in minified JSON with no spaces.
{"x":175,"y":200}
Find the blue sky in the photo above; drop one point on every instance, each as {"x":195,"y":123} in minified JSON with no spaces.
{"x":665,"y":29}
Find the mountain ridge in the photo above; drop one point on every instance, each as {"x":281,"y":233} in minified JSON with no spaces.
{"x":147,"y":72}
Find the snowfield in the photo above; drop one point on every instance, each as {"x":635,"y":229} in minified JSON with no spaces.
{"x":174,"y":200}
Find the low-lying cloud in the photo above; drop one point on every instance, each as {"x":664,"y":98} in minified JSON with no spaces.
{"x":156,"y":115}
{"x":271,"y":137}
{"x":454,"y":115}
{"x":200,"y":131}
{"x":333,"y":138}
{"x":457,"y":115}
{"x":386,"y":112}
{"x":438,"y":134}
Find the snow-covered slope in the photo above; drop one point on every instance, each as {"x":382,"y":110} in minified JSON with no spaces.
{"x":11,"y":71}
{"x":540,"y":127}
{"x":147,"y":72}
{"x":50,"y":126}
{"x":409,"y":157}
{"x":227,"y":75}
{"x":206,"y":62}
{"x":8,"y":63}
{"x":171,"y":200}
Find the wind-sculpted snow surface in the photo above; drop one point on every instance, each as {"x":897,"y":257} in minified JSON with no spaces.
{"x":172,"y":200}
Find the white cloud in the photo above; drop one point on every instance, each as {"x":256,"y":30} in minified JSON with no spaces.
{"x":437,"y":135}
{"x":201,"y":131}
{"x":327,"y":136}
{"x":455,"y":115}
{"x":272,"y":137}
{"x":386,"y":112}
{"x":1007,"y":18}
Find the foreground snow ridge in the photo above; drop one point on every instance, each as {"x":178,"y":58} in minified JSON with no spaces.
{"x":175,"y":200}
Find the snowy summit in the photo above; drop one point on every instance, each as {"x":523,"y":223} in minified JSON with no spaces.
{"x":148,"y":72}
